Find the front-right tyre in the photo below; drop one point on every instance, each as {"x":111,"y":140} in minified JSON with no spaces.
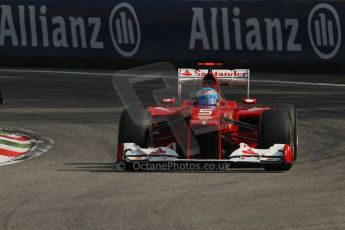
{"x":135,"y":126}
{"x":277,"y":126}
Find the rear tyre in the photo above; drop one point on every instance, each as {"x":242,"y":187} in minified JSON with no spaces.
{"x":276,"y":128}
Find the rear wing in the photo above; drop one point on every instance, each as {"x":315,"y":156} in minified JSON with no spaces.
{"x":232,"y":77}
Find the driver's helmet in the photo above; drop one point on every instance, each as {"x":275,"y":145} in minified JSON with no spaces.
{"x":207,"y":97}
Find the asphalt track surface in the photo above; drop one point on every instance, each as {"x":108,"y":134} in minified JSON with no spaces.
{"x":74,"y":185}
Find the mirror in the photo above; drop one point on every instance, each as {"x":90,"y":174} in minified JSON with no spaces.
{"x":168,"y":101}
{"x":249,"y":101}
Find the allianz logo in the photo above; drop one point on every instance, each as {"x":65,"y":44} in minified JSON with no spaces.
{"x":30,"y":26}
{"x":226,"y":29}
{"x":324,"y":30}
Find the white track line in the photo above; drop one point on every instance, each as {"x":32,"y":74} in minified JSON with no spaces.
{"x":299,"y":83}
{"x":112,"y":74}
{"x":56,"y":72}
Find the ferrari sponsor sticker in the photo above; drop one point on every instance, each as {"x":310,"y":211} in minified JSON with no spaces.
{"x":230,"y":117}
{"x":17,"y":145}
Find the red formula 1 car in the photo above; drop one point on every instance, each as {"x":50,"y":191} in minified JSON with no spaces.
{"x":209,"y":127}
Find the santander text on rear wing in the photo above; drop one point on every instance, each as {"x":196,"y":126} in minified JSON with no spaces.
{"x":223,"y":75}
{"x":228,"y":76}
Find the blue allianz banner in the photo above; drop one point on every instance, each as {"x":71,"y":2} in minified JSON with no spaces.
{"x":174,"y":30}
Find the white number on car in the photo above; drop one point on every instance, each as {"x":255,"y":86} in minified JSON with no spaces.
{"x":205,"y":112}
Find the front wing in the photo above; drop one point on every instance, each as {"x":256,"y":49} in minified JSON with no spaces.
{"x":277,"y":154}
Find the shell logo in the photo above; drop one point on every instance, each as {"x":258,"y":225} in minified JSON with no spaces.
{"x":230,"y":117}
